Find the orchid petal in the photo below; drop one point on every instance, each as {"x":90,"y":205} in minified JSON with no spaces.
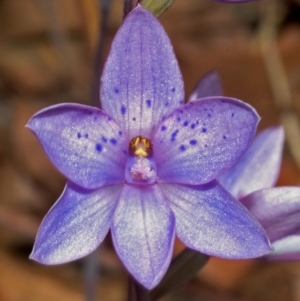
{"x":201,"y":140}
{"x":259,"y":167}
{"x":287,"y":248}
{"x":76,"y":224}
{"x":85,"y":144}
{"x":143,"y":233}
{"x":209,"y":85}
{"x":277,"y":209}
{"x":141,"y":82}
{"x":210,"y":220}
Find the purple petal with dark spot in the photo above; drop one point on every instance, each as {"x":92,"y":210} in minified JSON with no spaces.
{"x":76,"y":224}
{"x":259,"y":167}
{"x":143,"y":233}
{"x":72,"y":136}
{"x":203,"y":139}
{"x":141,"y":82}
{"x":210,"y":220}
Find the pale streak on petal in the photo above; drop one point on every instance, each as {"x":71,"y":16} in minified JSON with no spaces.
{"x":143,"y":233}
{"x":210,"y":220}
{"x":141,"y":82}
{"x":76,"y":224}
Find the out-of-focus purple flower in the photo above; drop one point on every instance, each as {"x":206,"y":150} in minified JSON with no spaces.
{"x":145,"y":166}
{"x":259,"y":167}
{"x":277,"y":209}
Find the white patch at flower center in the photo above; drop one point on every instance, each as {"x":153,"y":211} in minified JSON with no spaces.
{"x":142,"y":169}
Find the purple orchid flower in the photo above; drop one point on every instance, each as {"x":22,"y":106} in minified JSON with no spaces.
{"x":251,"y":179}
{"x":145,"y":166}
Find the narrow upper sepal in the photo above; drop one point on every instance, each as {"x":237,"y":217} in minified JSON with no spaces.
{"x":84,"y":143}
{"x":141,"y":81}
{"x":143,"y":233}
{"x":210,"y":85}
{"x":259,"y":167}
{"x":210,"y":220}
{"x":76,"y":224}
{"x":202,"y":139}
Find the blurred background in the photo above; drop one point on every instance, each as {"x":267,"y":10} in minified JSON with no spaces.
{"x":48,"y":55}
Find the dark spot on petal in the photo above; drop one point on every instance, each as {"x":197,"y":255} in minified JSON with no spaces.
{"x":95,"y":118}
{"x":123,"y":110}
{"x":185,"y":123}
{"x":109,"y":118}
{"x":178,"y":118}
{"x":78,"y":135}
{"x":120,"y":133}
{"x":148,"y":101}
{"x":86,"y":135}
{"x":206,"y":145}
{"x":98,"y":147}
{"x":174,"y":134}
{"x":181,"y":102}
{"x":232,"y":114}
{"x":167,"y":104}
{"x":134,"y":119}
{"x":124,"y":152}
{"x":173,"y":89}
{"x":113,"y":141}
{"x":182,"y":148}
{"x":205,"y":109}
{"x":204,"y":130}
{"x":104,"y":139}
{"x":224,"y":137}
{"x":181,"y":111}
{"x":193,"y":126}
{"x":163,"y":128}
{"x":208,"y":115}
{"x":193,"y":142}
{"x":116,"y":90}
